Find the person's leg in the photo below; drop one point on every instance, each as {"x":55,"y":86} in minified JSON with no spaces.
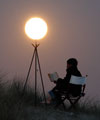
{"x":54,"y":93}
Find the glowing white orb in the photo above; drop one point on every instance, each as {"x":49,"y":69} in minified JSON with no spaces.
{"x":36,"y":28}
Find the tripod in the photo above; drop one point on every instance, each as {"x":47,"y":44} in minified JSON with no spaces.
{"x":37,"y":62}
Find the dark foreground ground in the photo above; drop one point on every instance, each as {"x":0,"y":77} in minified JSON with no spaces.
{"x":31,"y":113}
{"x":14,"y":106}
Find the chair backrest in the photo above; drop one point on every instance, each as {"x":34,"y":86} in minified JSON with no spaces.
{"x":77,"y":80}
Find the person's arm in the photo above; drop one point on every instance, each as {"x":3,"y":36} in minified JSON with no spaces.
{"x":58,"y":81}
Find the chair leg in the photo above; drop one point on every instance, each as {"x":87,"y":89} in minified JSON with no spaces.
{"x":64,"y":106}
{"x":59,"y":105}
{"x":73,"y":103}
{"x":61,"y":101}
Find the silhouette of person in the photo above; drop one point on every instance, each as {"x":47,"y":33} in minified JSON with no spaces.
{"x":63,"y":84}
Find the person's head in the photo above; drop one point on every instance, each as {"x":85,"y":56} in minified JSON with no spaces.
{"x":72,"y":62}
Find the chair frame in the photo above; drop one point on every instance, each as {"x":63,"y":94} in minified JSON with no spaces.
{"x":73,"y":100}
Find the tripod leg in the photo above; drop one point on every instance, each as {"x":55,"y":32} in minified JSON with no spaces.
{"x":41,"y":77}
{"x":36,"y":77}
{"x":29,"y":70}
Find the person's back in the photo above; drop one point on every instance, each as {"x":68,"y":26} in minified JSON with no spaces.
{"x":72,"y":70}
{"x":64,"y":85}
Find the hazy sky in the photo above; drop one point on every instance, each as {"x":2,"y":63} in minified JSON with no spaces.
{"x":73,"y":31}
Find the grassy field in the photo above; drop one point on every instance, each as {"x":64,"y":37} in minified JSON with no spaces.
{"x":14,"y":105}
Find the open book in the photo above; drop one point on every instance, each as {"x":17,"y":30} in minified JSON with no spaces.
{"x":53,"y":76}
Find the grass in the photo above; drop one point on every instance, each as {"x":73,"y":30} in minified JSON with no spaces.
{"x":12,"y":99}
{"x":15,"y":106}
{"x":89,"y":106}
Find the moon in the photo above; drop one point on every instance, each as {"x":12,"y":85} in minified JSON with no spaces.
{"x":36,"y":28}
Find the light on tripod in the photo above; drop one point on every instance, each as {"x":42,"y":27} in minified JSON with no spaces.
{"x":36,"y":28}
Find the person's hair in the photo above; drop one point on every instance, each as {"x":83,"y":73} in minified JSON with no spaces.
{"x":72,"y":61}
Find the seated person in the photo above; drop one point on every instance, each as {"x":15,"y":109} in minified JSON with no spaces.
{"x":63,"y":84}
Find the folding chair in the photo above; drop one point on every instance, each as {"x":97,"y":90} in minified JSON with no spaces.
{"x":65,"y":95}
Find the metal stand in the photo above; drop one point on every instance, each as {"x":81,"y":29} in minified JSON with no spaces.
{"x":37,"y":62}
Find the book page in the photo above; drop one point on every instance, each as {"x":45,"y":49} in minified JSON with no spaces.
{"x":53,"y":76}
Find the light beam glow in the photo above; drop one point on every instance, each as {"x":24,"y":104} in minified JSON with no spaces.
{"x":36,"y":28}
